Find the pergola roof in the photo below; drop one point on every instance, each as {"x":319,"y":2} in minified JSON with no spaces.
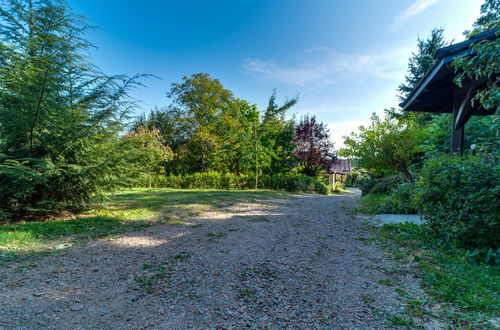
{"x":435,"y":91}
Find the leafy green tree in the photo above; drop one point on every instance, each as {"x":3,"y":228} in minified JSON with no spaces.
{"x":198,"y":101}
{"x":256,"y":154}
{"x":278,"y":134}
{"x":386,"y":146}
{"x":484,"y":63}
{"x":145,"y":151}
{"x":489,"y":19}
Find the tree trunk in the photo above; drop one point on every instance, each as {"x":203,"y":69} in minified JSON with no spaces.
{"x":256,"y":156}
{"x":407,"y":174}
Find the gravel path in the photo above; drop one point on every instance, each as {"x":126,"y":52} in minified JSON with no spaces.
{"x":295,"y":263}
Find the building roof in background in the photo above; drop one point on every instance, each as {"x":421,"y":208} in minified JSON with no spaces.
{"x":342,"y":166}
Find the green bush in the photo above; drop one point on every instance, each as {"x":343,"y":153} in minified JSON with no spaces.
{"x":400,"y":200}
{"x":459,"y":197}
{"x":215,"y":180}
{"x":37,"y":187}
{"x":379,"y":185}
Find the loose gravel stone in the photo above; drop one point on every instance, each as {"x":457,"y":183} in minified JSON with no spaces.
{"x":293,"y":263}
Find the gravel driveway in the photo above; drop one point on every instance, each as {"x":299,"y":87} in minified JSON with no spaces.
{"x":299,"y":262}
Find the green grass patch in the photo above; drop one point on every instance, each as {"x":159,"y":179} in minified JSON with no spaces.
{"x":128,"y":210}
{"x":370,"y":204}
{"x":470,"y":291}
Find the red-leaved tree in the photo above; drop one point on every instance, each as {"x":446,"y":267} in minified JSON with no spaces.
{"x":314,"y":148}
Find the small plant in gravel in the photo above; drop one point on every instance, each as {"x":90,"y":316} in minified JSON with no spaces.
{"x":402,"y":321}
{"x":183,"y":255}
{"x":216,"y":234}
{"x":301,"y":223}
{"x":25,"y":267}
{"x":156,"y":271}
{"x":247,"y":294}
{"x":367,"y":299}
{"x":259,"y":271}
{"x":387,"y":282}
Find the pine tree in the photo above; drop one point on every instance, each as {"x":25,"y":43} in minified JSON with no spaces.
{"x":421,"y":61}
{"x":55,"y":107}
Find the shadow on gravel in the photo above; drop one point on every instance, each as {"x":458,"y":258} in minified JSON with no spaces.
{"x":101,"y":279}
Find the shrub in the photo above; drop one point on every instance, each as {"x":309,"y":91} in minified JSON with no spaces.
{"x":215,"y":180}
{"x":379,"y":185}
{"x":401,"y":200}
{"x":460,"y":198}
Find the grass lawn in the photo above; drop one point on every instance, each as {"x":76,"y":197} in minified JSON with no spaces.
{"x":464,"y":294}
{"x":128,"y":210}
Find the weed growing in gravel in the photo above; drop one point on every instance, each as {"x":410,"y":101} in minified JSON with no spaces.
{"x":302,"y":223}
{"x":387,"y":282}
{"x":402,"y":321}
{"x":247,"y":294}
{"x":25,"y":267}
{"x":183,"y":255}
{"x":258,"y":271}
{"x":147,"y":283}
{"x":367,"y":299}
{"x":216,"y":234}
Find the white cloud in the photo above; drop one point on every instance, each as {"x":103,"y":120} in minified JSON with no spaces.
{"x":324,"y":66}
{"x":416,"y":8}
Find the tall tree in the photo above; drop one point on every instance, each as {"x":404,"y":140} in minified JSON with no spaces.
{"x":421,"y":61}
{"x":489,"y":19}
{"x":278,"y":134}
{"x":418,"y":64}
{"x":145,"y":152}
{"x":55,"y":104}
{"x":314,"y":148}
{"x":199,"y":100}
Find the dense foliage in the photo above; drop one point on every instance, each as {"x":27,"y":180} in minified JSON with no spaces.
{"x":58,"y":112}
{"x":460,"y":198}
{"x":216,"y":180}
{"x":386,"y":146}
{"x":314,"y":147}
{"x":67,"y":134}
{"x":457,"y":196}
{"x":209,"y":129}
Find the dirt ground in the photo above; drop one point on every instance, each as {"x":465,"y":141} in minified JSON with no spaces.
{"x":299,"y":262}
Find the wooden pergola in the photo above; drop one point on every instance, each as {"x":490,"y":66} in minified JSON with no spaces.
{"x":438,"y":93}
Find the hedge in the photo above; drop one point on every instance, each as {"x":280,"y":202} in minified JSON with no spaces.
{"x":216,"y":180}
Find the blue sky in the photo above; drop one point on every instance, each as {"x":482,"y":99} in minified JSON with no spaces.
{"x":343,"y":58}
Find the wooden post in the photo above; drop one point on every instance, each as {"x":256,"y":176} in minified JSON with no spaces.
{"x":462,"y":110}
{"x":457,"y":135}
